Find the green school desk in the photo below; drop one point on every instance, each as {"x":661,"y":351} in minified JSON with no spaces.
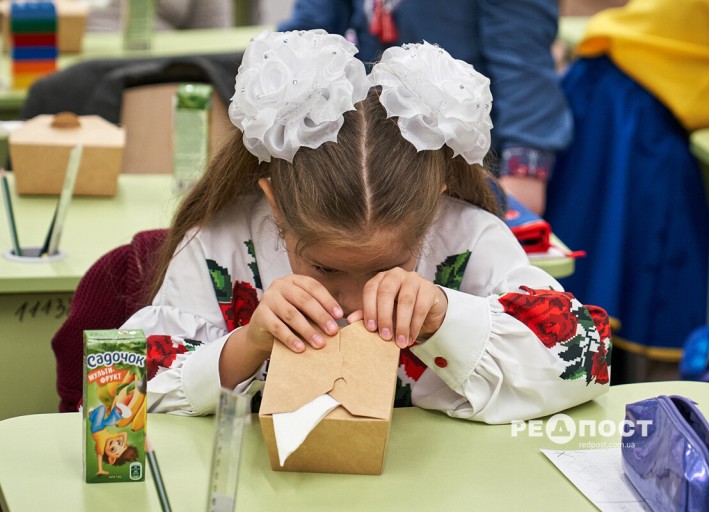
{"x":107,"y":45}
{"x":557,"y":266}
{"x":433,"y":463}
{"x":35,"y":296}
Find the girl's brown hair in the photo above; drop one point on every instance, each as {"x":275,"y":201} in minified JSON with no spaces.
{"x":341,"y":193}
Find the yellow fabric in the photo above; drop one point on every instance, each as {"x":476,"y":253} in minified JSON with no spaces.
{"x":100,"y":438}
{"x":664,"y":46}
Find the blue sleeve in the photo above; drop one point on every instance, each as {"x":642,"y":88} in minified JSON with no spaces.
{"x":99,"y":421}
{"x":332,"y":15}
{"x":529,"y":107}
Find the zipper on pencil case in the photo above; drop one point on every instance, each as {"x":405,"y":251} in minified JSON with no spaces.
{"x":696,"y":431}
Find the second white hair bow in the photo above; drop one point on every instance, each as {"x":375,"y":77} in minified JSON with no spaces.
{"x":436,"y":98}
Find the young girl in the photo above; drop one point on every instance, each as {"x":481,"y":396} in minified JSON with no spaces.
{"x":347,"y":197}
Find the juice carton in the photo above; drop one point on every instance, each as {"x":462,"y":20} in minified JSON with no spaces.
{"x":190,"y":135}
{"x":114,"y":405}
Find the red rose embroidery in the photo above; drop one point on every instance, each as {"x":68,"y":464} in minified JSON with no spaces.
{"x":546,"y":312}
{"x":599,"y":370}
{"x":243,"y":302}
{"x":600,"y":319}
{"x":161,"y":353}
{"x":228,"y":314}
{"x":413,"y":366}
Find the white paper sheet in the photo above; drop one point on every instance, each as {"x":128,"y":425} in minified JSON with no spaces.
{"x":598,"y":474}
{"x":291,"y":428}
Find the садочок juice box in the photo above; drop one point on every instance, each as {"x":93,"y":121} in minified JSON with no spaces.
{"x":114,"y":405}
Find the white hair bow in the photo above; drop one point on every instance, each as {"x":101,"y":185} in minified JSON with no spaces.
{"x":293,"y":88}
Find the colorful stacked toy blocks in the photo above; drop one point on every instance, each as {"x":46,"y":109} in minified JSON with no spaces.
{"x":33,"y":30}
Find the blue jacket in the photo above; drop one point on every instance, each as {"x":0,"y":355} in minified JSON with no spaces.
{"x":507,"y":41}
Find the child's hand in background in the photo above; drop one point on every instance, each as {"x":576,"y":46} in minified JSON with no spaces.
{"x":402,"y":306}
{"x":291,"y":311}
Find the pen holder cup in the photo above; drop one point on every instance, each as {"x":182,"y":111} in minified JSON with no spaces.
{"x":33,"y":255}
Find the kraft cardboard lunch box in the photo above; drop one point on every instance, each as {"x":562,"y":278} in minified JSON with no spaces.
{"x":358,"y":369}
{"x":39,"y":152}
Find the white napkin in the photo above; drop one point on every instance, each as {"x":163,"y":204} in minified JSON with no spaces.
{"x":291,"y":428}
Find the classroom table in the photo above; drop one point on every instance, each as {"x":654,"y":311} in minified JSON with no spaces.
{"x":433,"y":463}
{"x":109,"y":45}
{"x":557,"y":266}
{"x":35,"y":296}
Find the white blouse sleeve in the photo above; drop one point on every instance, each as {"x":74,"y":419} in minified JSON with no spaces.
{"x":501,"y":371}
{"x":516,"y":348}
{"x":185,"y":326}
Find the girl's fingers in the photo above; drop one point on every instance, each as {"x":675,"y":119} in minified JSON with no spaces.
{"x":293,"y":308}
{"x":422,"y":308}
{"x":406,"y":302}
{"x":399,"y":304}
{"x":299,"y":323}
{"x":271,"y":326}
{"x":387,"y":294}
{"x":320,"y":293}
{"x":355,"y":316}
{"x":300,"y":310}
{"x":436,"y":313}
{"x":369,"y":302}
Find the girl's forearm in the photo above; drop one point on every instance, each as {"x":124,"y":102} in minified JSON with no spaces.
{"x":239,"y":359}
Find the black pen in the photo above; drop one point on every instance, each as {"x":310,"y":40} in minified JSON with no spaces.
{"x":45,"y":247}
{"x":10,"y":215}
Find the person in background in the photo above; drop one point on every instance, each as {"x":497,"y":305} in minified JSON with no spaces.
{"x":627,"y":190}
{"x":510,"y":42}
{"x":586,"y":7}
{"x":105,"y":16}
{"x":344,"y":197}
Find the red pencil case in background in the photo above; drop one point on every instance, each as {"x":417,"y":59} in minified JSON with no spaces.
{"x":532,"y":232}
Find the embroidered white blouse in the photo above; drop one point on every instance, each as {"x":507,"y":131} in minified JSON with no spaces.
{"x":513,"y":344}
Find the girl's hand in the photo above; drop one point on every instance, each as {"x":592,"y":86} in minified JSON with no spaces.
{"x":402,"y":305}
{"x":291,"y":311}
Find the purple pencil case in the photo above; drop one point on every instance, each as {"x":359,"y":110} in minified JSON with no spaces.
{"x":666,"y":454}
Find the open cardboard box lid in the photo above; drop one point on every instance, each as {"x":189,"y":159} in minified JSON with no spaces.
{"x":356,"y":367}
